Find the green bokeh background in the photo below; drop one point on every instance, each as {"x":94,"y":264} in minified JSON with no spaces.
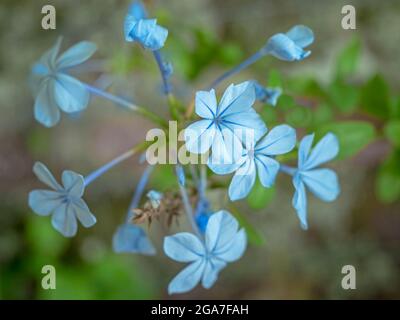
{"x":349,"y":85}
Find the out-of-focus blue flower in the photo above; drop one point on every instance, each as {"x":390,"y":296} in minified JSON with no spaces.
{"x":155,"y":198}
{"x":142,"y":30}
{"x":64,"y":202}
{"x":290,"y":46}
{"x":202,"y":220}
{"x":267,"y":95}
{"x":258,"y":158}
{"x":54,"y":88}
{"x":130,"y":238}
{"x":180,"y":173}
{"x":323,"y":183}
{"x":224,"y":125}
{"x":223,"y":243}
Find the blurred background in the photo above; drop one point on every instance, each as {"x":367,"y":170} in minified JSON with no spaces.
{"x":349,"y":85}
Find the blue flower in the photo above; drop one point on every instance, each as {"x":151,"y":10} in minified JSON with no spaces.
{"x":54,"y":88}
{"x":224,"y":124}
{"x":223,"y":243}
{"x":65,"y":202}
{"x":323,"y":183}
{"x":290,"y":46}
{"x":258,"y":158}
{"x":155,"y":198}
{"x":267,"y":95}
{"x":142,"y":30}
{"x":130,"y":238}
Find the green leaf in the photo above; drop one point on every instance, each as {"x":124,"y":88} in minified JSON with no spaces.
{"x":394,"y":108}
{"x":388,"y":180}
{"x":344,"y":97}
{"x":347,"y":60}
{"x":285,"y":102}
{"x":275,"y":79}
{"x":392,"y":132}
{"x":299,"y":117}
{"x":322,"y":114}
{"x":260,"y":196}
{"x":353,"y":136}
{"x":375,"y":97}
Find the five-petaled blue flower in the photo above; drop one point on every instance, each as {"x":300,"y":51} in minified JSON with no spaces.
{"x":64,"y":202}
{"x":323,"y":183}
{"x":223,"y":243}
{"x":54,"y":88}
{"x":258,"y":158}
{"x":130,"y":238}
{"x":142,"y":30}
{"x":224,"y":125}
{"x":267,"y":95}
{"x":290,"y":46}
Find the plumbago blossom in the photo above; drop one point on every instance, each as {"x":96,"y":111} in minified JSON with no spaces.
{"x":228,"y":131}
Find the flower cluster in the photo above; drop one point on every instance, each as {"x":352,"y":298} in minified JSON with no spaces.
{"x":230,"y":133}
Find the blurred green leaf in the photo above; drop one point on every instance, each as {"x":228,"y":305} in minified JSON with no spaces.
{"x":343,"y":96}
{"x":274,"y":79}
{"x":163,"y":178}
{"x":253,"y":235}
{"x":43,"y":239}
{"x":229,"y":54}
{"x":322,"y":114}
{"x":347,"y":60}
{"x":353,"y":136}
{"x":260,"y":196}
{"x":388,"y":180}
{"x":269,"y":115}
{"x":299,"y":116}
{"x":285,"y":102}
{"x":394,"y":107}
{"x":392,"y":132}
{"x":375,"y":97}
{"x":306,"y":86}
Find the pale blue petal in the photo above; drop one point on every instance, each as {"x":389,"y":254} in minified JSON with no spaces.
{"x":237,"y":98}
{"x":137,"y":10}
{"x":234,"y":249}
{"x":323,"y":183}
{"x":73,"y":183}
{"x":246,"y":125}
{"x":304,"y":150}
{"x":129,"y":24}
{"x":77,"y":54}
{"x":199,"y":136}
{"x":71,"y":95}
{"x":267,"y":169}
{"x":44,"y":202}
{"x":64,"y":220}
{"x":299,"y":201}
{"x":301,"y":35}
{"x":211,"y":270}
{"x":149,"y":34}
{"x":188,"y":278}
{"x":326,"y":149}
{"x":223,"y":169}
{"x":206,"y":104}
{"x":279,"y":140}
{"x":243,"y":181}
{"x":46,"y":110}
{"x":226,"y":148}
{"x":82,"y":212}
{"x":284,"y":48}
{"x":49,"y":58}
{"x":130,"y":238}
{"x":221,"y":229}
{"x":45,"y":176}
{"x":183,"y":247}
